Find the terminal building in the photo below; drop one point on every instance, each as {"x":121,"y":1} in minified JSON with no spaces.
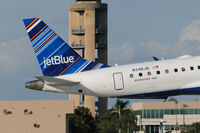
{"x":173,"y":115}
{"x":40,"y":116}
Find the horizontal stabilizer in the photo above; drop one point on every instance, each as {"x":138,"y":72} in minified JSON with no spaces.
{"x":56,"y":81}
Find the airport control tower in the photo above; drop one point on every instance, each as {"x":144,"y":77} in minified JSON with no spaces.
{"x":88,"y":36}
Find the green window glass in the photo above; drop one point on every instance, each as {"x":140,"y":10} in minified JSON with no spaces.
{"x":186,"y":111}
{"x":167,"y":127}
{"x":191,"y":111}
{"x":157,"y":113}
{"x":172,"y":127}
{"x":152,"y":113}
{"x":196,"y":111}
{"x":177,"y":111}
{"x":144,"y":114}
{"x":167,"y":111}
{"x":148,"y":114}
{"x":172,"y":111}
{"x":139,"y":112}
{"x":161,"y":114}
{"x":182,"y":111}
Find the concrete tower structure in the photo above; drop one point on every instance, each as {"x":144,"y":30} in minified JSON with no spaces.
{"x":88,"y":36}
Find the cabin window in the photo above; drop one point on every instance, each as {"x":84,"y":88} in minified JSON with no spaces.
{"x":140,"y":74}
{"x":191,"y":68}
{"x":175,"y":70}
{"x":183,"y":69}
{"x":198,"y":67}
{"x":166,"y":71}
{"x":131,"y":75}
{"x":149,"y":73}
{"x":158,"y":72}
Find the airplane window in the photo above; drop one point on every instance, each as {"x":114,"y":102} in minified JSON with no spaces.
{"x":140,"y":74}
{"x":149,"y":73}
{"x":166,"y":71}
{"x":175,"y":70}
{"x":158,"y":72}
{"x":191,"y":68}
{"x":183,"y":69}
{"x":198,"y":67}
{"x":131,"y":75}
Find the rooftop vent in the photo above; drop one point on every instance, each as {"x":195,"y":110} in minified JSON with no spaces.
{"x":6,"y":112}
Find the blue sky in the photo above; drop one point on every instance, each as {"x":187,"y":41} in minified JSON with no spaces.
{"x":138,"y":30}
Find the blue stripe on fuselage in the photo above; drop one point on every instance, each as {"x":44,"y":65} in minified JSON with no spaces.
{"x":164,"y":94}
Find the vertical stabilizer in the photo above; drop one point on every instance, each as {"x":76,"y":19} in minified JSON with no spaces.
{"x":54,"y":55}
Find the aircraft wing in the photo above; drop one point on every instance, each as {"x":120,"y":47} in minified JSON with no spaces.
{"x":53,"y":81}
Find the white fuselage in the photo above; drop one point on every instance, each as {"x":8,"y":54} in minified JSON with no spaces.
{"x":157,"y":79}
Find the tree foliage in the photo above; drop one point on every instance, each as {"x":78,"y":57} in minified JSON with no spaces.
{"x":173,"y":100}
{"x":82,"y":121}
{"x":115,"y":119}
{"x":118,"y":118}
{"x":109,"y":122}
{"x":194,"y":128}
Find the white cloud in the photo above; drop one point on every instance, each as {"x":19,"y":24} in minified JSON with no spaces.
{"x":155,"y":48}
{"x":191,"y":32}
{"x":15,"y":55}
{"x":188,"y":44}
{"x":186,"y":47}
{"x":121,"y":53}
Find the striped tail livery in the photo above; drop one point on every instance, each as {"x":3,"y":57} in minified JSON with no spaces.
{"x":54,"y":55}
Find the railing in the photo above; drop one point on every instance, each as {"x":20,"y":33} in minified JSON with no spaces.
{"x":78,"y":45}
{"x":78,"y":31}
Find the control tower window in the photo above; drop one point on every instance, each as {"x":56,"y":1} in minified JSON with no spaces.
{"x":81,"y":13}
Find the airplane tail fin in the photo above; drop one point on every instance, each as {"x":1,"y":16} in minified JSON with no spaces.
{"x":54,"y":55}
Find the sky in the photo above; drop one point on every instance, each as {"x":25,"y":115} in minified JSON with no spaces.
{"x":137,"y":29}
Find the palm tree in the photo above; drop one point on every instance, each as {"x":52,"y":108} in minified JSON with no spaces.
{"x":82,"y":121}
{"x":118,"y":119}
{"x":120,"y":105}
{"x":173,"y":100}
{"x":109,"y":122}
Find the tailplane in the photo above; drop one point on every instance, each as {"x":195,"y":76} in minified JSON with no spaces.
{"x":54,"y":55}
